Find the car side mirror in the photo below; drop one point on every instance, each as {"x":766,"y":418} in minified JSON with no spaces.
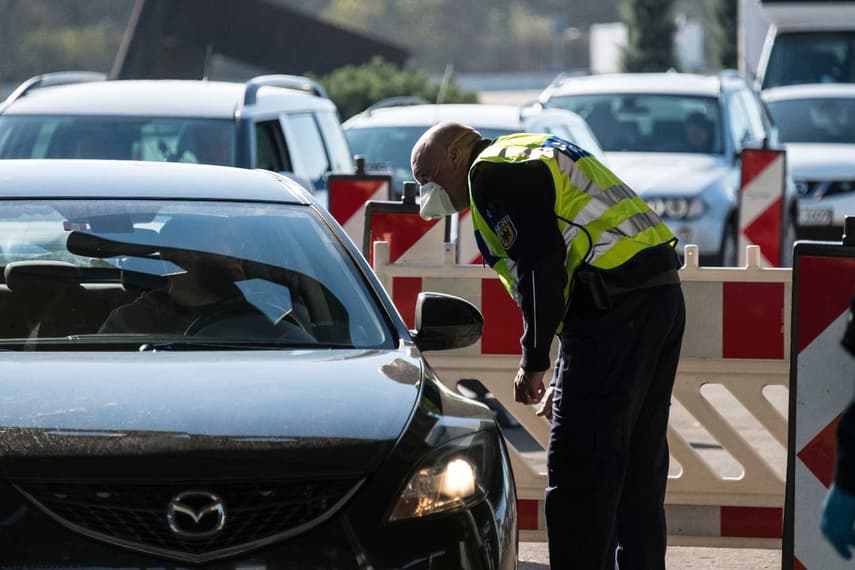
{"x":444,"y":322}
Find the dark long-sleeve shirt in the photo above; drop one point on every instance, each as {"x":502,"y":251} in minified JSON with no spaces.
{"x":520,"y":197}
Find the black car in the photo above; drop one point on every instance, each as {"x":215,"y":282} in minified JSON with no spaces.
{"x":200,"y":370}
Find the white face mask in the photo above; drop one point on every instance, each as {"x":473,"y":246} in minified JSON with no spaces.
{"x":434,"y":202}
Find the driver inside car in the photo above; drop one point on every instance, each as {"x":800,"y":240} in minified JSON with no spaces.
{"x":205,"y":287}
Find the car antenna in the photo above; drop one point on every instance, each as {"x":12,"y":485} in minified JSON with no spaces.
{"x":208,"y":53}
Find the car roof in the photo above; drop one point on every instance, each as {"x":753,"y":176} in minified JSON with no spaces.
{"x":658,"y":83}
{"x":809,"y":91}
{"x":39,"y":178}
{"x":160,"y":98}
{"x":476,"y":115}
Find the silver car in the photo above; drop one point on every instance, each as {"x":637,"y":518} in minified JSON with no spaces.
{"x":817,"y":123}
{"x":676,"y":139}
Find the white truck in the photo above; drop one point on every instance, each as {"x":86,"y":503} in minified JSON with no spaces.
{"x":787,"y":42}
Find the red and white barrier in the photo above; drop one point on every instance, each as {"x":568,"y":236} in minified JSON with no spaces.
{"x":467,"y":249}
{"x":411,"y":238}
{"x":697,"y":525}
{"x":737,"y":326}
{"x":348,"y":194}
{"x":736,"y":313}
{"x":820,"y":389}
{"x":761,"y":203}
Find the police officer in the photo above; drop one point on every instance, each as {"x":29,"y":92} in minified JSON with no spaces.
{"x":838,"y":508}
{"x":585,"y":258}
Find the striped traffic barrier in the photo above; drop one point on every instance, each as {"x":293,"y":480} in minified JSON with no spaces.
{"x":761,"y":203}
{"x":737,"y":326}
{"x":348,"y":195}
{"x":821,"y":386}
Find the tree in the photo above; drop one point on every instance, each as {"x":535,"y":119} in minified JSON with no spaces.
{"x":723,"y":40}
{"x":38,"y":36}
{"x":651,"y":35}
{"x":353,"y":88}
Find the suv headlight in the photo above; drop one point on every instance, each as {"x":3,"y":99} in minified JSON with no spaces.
{"x":451,"y":477}
{"x":677,"y":208}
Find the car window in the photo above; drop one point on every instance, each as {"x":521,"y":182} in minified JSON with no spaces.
{"x":754,"y":113}
{"x":817,"y":120}
{"x":811,"y":57}
{"x":640,"y":122}
{"x":270,"y":150}
{"x":207,"y":141}
{"x":337,"y":148}
{"x":740,"y":128}
{"x":132,"y":272}
{"x":309,"y":154}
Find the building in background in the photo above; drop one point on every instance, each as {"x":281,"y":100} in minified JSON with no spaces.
{"x":180,"y":40}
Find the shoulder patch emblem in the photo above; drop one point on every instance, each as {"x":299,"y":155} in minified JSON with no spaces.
{"x":507,"y":232}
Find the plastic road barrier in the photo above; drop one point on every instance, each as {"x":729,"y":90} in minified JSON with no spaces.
{"x":348,"y":194}
{"x":736,"y":342}
{"x":822,"y":383}
{"x":761,"y":203}
{"x":467,"y":249}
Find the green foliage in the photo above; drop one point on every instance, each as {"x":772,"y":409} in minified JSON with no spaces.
{"x":651,"y":35}
{"x":39,"y":36}
{"x":88,"y":47}
{"x":353,"y":88}
{"x":723,"y":41}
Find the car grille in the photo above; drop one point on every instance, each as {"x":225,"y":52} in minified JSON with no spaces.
{"x":135,"y":515}
{"x":820,"y":189}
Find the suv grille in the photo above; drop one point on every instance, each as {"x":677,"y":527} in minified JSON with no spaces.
{"x":135,"y":515}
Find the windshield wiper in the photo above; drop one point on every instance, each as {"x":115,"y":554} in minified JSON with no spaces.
{"x":236,"y":345}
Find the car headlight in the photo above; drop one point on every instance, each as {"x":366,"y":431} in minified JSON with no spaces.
{"x":452,"y":477}
{"x":677,"y":208}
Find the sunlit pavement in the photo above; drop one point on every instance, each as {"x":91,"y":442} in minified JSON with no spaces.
{"x":534,"y":556}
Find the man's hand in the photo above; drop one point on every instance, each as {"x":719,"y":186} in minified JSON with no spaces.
{"x":545,"y":408}
{"x":528,"y":386}
{"x":838,"y":518}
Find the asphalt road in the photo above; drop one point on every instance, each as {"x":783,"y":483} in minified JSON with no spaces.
{"x":534,"y":556}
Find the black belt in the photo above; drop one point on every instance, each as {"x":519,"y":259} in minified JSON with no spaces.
{"x":594,"y":289}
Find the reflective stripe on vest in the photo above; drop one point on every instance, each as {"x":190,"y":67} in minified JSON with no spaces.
{"x":604,"y":223}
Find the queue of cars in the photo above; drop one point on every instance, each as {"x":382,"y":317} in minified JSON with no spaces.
{"x":221,"y":373}
{"x":216,"y":364}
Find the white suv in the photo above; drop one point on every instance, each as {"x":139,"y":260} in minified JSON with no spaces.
{"x":282,"y":123}
{"x":384,"y":134}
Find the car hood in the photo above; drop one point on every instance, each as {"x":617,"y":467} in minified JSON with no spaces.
{"x":816,"y":161}
{"x":231,"y":413}
{"x":667,"y":174}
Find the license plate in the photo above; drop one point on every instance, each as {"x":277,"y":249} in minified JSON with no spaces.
{"x":815,"y":217}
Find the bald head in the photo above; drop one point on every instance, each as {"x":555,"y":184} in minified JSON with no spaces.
{"x":441,"y":155}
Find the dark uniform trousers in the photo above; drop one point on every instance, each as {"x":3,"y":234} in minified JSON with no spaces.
{"x":608,"y":454}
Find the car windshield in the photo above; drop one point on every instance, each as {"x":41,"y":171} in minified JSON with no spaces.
{"x":820,"y":120}
{"x":206,"y":141}
{"x":387,"y":149}
{"x":811,"y":57}
{"x":631,"y":122}
{"x":119,"y":274}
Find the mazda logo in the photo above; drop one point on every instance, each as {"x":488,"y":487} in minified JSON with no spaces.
{"x":196,"y":514}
